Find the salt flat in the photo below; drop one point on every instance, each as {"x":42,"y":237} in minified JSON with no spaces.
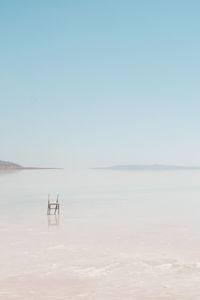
{"x":120,"y":235}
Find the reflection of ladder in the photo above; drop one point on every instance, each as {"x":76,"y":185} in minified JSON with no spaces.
{"x":53,"y":220}
{"x":55,"y":206}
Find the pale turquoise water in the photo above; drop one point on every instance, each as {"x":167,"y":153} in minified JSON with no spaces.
{"x":120,"y":235}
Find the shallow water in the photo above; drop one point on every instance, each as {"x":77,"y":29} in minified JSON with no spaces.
{"x":120,"y":235}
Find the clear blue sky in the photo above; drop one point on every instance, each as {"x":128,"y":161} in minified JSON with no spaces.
{"x":93,"y":83}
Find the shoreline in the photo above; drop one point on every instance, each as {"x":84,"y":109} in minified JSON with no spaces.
{"x":28,"y":168}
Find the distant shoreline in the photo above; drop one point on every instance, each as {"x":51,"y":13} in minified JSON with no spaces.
{"x":155,"y":167}
{"x":6,"y":165}
{"x":28,"y":168}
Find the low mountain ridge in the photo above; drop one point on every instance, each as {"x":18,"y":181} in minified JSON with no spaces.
{"x":154,"y":167}
{"x":9,"y":165}
{"x":6,"y":165}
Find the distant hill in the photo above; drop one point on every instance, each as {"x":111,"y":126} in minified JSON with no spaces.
{"x":6,"y":165}
{"x":155,"y":167}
